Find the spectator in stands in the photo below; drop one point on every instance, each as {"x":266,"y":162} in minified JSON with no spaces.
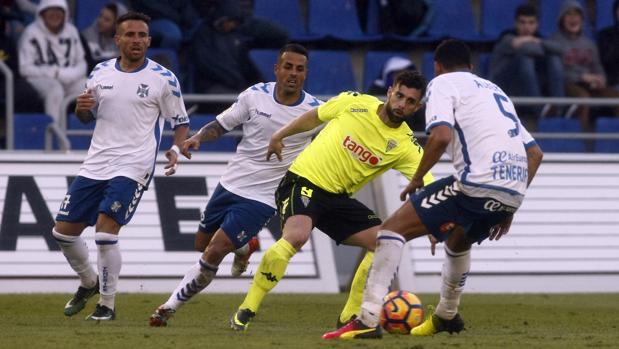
{"x":608,"y":42}
{"x":219,"y":48}
{"x":584,"y":74}
{"x":523,"y":63}
{"x":172,"y":21}
{"x":51,"y":56}
{"x":99,"y":35}
{"x":405,"y":17}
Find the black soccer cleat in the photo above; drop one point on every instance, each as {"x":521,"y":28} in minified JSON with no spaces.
{"x":80,"y":298}
{"x":102,"y":313}
{"x":240,"y":320}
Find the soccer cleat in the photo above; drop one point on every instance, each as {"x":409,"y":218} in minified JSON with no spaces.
{"x":161,"y":316}
{"x":79,"y":300}
{"x":239,"y":265}
{"x":434,"y":324}
{"x":339,"y":323}
{"x":354,"y":329}
{"x":102,"y":313}
{"x":240,"y":320}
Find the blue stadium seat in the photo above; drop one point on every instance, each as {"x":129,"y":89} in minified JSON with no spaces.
{"x":79,"y":142}
{"x":87,"y":11}
{"x":560,"y":125}
{"x":427,"y":65}
{"x":453,"y":18}
{"x":330,"y":72}
{"x":166,"y":57}
{"x":29,"y":130}
{"x":483,"y":64}
{"x":373,"y":65}
{"x":604,"y":16}
{"x":285,"y":13}
{"x":337,"y":19}
{"x":264,"y":61}
{"x":549,"y":17}
{"x":497,"y":16}
{"x":225,"y":143}
{"x":607,"y":125}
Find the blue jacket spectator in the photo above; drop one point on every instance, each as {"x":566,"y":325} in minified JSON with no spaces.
{"x":608,"y":42}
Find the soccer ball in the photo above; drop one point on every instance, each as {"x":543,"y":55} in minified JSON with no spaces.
{"x":401,"y":312}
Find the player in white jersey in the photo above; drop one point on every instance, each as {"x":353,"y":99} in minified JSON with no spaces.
{"x":51,"y":56}
{"x":243,"y":202}
{"x":129,"y":97}
{"x":495,"y":159}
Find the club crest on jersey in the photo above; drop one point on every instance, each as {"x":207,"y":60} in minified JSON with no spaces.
{"x":360,"y":152}
{"x":143,"y":90}
{"x":391,"y":144}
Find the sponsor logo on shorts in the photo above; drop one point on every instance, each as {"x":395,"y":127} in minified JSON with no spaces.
{"x":360,"y":152}
{"x":496,"y":206}
{"x":64,"y":205}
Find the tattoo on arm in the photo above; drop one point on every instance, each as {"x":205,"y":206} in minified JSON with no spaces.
{"x":211,"y":131}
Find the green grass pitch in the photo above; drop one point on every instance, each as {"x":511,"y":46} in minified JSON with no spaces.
{"x":298,"y":321}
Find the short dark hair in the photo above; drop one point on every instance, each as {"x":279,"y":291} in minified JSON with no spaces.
{"x":526,"y":10}
{"x":112,"y":7}
{"x":293,"y":47}
{"x":453,"y":54}
{"x":411,"y":79}
{"x":133,"y":16}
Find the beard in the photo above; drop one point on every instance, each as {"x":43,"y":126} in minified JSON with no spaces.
{"x":393,"y":117}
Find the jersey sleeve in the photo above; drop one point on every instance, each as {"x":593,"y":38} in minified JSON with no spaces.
{"x":236,"y":114}
{"x":332,"y":108}
{"x":441,"y":100}
{"x":527,"y":139}
{"x":407,"y":165}
{"x":172,"y":105}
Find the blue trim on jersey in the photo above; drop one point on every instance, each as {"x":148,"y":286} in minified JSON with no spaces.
{"x":530,"y":144}
{"x":117,"y":66}
{"x":492,"y":187}
{"x":158,"y":140}
{"x":314,"y":103}
{"x":299,"y":101}
{"x":431,"y":126}
{"x":465,"y":153}
{"x":180,"y":125}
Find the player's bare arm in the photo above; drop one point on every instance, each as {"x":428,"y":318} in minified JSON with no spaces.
{"x":83,"y":106}
{"x":305,"y":122}
{"x":180,"y":134}
{"x":209,"y":132}
{"x":440,"y":136}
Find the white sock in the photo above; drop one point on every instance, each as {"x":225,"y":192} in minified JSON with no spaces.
{"x":109,"y":262}
{"x":386,"y":260}
{"x":76,"y":252}
{"x":197,"y":278}
{"x":455,"y":270}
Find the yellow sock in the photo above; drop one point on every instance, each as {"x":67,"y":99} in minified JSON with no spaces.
{"x":270,"y":271}
{"x":353,"y":303}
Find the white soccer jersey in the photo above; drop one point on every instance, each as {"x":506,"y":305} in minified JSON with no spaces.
{"x":489,"y":141}
{"x":248,"y":174}
{"x":130,"y":112}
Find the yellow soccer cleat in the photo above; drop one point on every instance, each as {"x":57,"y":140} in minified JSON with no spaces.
{"x":434,"y":324}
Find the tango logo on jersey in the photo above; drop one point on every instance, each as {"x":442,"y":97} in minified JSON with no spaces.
{"x":360,"y":152}
{"x":143,"y":90}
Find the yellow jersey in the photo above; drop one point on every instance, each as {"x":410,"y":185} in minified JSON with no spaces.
{"x":356,"y":146}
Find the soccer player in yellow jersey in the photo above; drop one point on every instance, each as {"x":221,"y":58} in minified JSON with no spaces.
{"x":363,"y":138}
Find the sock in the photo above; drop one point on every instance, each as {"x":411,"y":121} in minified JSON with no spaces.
{"x":76,"y":252}
{"x":386,"y":261}
{"x":355,"y":296}
{"x":196,"y":279}
{"x":109,"y":262}
{"x":455,"y":270}
{"x":241,"y":251}
{"x":270,"y":271}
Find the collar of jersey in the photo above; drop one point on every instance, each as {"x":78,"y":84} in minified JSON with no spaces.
{"x":117,"y":66}
{"x":301,"y":98}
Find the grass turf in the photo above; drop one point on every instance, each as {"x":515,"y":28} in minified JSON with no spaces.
{"x":298,"y":321}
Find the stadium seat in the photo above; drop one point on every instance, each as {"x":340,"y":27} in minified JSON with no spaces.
{"x":336,"y":19}
{"x":373,"y":65}
{"x":549,"y":17}
{"x":483,"y":64}
{"x":79,"y":142}
{"x":264,"y":61}
{"x":560,"y":125}
{"x":497,"y":16}
{"x":166,"y":57}
{"x":285,"y":13}
{"x":604,"y":16}
{"x":225,"y":143}
{"x":29,"y":130}
{"x":87,"y":11}
{"x":330,"y":72}
{"x":427,"y":65}
{"x":607,"y":125}
{"x":455,"y":19}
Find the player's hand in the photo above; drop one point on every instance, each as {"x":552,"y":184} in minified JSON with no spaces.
{"x":192,"y":142}
{"x":501,"y":229}
{"x":85,"y":101}
{"x":433,"y":243}
{"x":411,"y":187}
{"x":172,"y":157}
{"x":275,"y":147}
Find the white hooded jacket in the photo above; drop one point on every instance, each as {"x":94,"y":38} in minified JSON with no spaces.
{"x":43,"y":54}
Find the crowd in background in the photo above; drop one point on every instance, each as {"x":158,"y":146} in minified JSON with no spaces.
{"x":212,"y":39}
